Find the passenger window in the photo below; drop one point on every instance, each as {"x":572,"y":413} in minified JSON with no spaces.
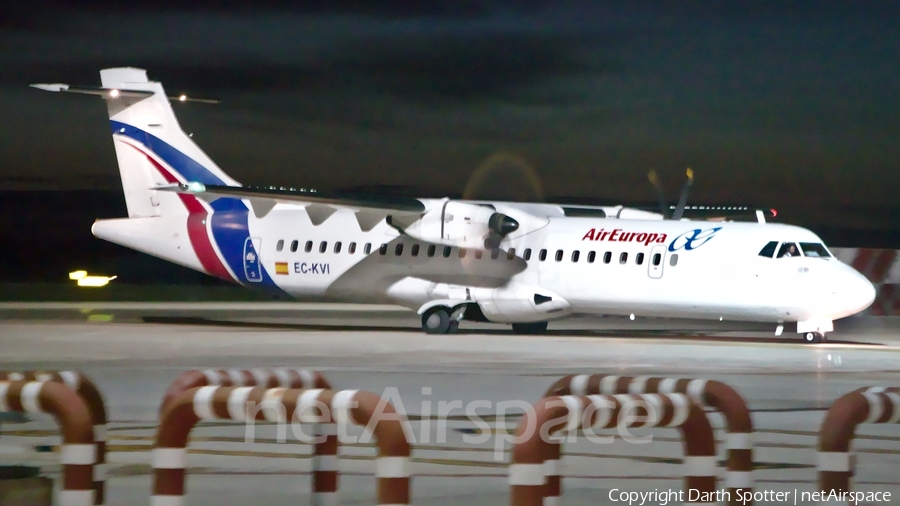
{"x":527,"y":254}
{"x":788,"y":249}
{"x":543,"y":255}
{"x":623,"y":258}
{"x":294,"y":245}
{"x":337,"y":247}
{"x":657,"y":259}
{"x":431,"y":249}
{"x":814,"y":249}
{"x":639,"y":259}
{"x":415,"y":250}
{"x":462,"y":253}
{"x":673,"y":259}
{"x":398,"y":249}
{"x":478,"y":254}
{"x":768,"y":250}
{"x":559,"y":255}
{"x":367,"y":248}
{"x":495,"y":254}
{"x":280,"y":245}
{"x":575,"y":255}
{"x":308,"y":246}
{"x":323,"y":246}
{"x":447,"y":251}
{"x":351,"y":248}
{"x":511,"y":253}
{"x":591,"y":257}
{"x":382,"y":250}
{"x":607,"y":257}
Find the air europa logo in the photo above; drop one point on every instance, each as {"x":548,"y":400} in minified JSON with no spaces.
{"x":693,"y":239}
{"x":619,"y":235}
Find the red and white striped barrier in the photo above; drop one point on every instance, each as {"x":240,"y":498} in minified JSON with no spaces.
{"x":535,"y":450}
{"x":91,"y":396}
{"x":707,"y":393}
{"x":268,"y":378}
{"x":835,"y":462}
{"x":324,"y":473}
{"x":284,"y":406}
{"x":78,"y":452}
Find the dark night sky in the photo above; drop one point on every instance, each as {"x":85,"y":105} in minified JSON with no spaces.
{"x":792,"y":105}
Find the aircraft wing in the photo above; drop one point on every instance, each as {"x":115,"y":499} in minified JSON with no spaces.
{"x":369,"y":209}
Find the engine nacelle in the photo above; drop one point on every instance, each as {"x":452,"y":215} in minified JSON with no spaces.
{"x":462,"y":225}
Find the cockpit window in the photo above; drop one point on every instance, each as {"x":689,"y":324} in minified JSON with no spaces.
{"x":768,"y":250}
{"x":814,"y":249}
{"x":788,"y":249}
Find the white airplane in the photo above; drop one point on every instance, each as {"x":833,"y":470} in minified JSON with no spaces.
{"x":519,"y":263}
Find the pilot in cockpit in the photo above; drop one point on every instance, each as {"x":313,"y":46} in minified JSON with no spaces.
{"x":788,"y":249}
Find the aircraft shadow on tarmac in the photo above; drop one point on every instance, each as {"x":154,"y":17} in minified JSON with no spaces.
{"x":643,"y":334}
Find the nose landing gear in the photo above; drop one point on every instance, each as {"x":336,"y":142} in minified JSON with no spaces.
{"x":814,"y":337}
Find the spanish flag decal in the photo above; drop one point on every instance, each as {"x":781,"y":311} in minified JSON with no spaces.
{"x":281,"y":268}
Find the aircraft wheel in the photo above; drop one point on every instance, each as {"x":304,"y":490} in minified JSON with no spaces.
{"x":453,"y":327}
{"x":814,"y":337}
{"x":436,"y":320}
{"x":530,"y":328}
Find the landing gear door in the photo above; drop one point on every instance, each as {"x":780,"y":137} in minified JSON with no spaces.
{"x":657,"y":261}
{"x":252,"y":266}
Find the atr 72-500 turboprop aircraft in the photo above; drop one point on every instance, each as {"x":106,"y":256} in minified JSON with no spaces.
{"x":518,"y":263}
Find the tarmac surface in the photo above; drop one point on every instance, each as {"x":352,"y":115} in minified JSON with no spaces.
{"x":133,"y":352}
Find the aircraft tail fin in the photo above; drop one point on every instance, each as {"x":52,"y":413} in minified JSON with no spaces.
{"x":151,"y":148}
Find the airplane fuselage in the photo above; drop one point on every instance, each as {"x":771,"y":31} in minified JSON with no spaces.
{"x":609,"y":266}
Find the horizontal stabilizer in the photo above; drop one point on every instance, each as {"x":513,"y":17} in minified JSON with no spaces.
{"x":112,"y":93}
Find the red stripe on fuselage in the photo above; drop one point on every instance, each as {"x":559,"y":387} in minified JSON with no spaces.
{"x":196,"y":225}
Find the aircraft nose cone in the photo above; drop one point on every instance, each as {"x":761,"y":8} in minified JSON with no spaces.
{"x":860,"y":292}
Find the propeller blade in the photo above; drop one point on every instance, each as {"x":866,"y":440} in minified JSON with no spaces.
{"x":682,"y":201}
{"x":660,"y":193}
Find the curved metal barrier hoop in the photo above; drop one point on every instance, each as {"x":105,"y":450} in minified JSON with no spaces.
{"x":711,"y":393}
{"x":534,"y":451}
{"x":870,"y":405}
{"x":78,"y":452}
{"x":89,"y":393}
{"x":281,"y":405}
{"x":325,"y":450}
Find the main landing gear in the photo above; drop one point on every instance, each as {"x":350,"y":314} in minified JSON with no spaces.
{"x":814,"y":337}
{"x":439,"y":320}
